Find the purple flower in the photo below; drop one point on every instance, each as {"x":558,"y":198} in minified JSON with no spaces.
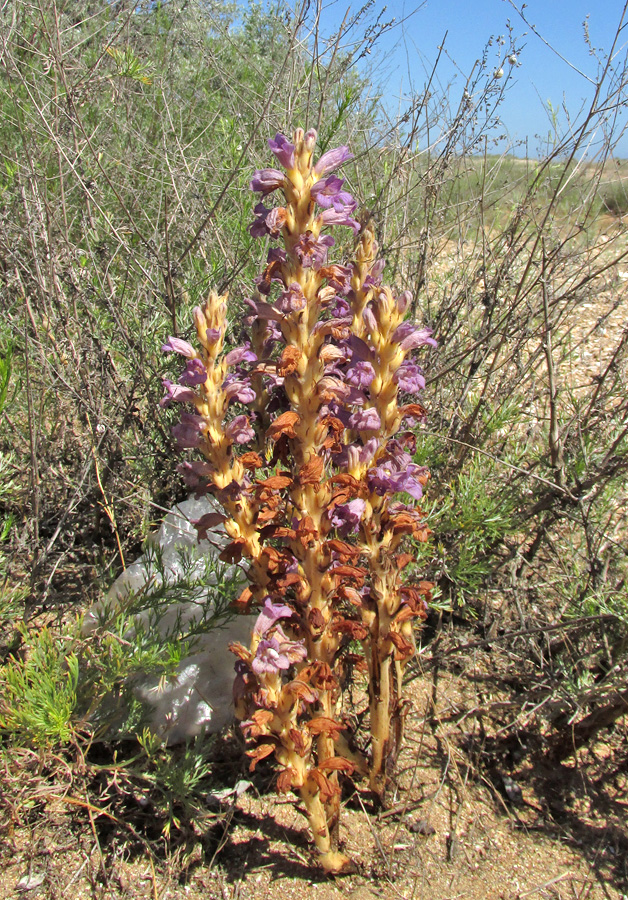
{"x":294,"y":650}
{"x":360,"y":374}
{"x":409,"y":377}
{"x":269,"y":659}
{"x":340,"y":217}
{"x":283,"y":150}
{"x":341,"y":309}
{"x":404,"y":301}
{"x":176,"y":393}
{"x":273,"y":654}
{"x":365,"y":420}
{"x":359,"y":455}
{"x":374,"y":278}
{"x":240,"y":355}
{"x":396,"y":473}
{"x":239,"y":430}
{"x":259,"y":228}
{"x":188,"y":433}
{"x":236,"y":389}
{"x":176,"y":345}
{"x":268,"y":221}
{"x":331,"y":160}
{"x":232,"y":491}
{"x":195,"y":373}
{"x":275,"y":220}
{"x":262,"y":310}
{"x":291,"y":300}
{"x":410,"y":337}
{"x":195,"y":474}
{"x":269,"y":614}
{"x":346,"y":517}
{"x":312,"y":252}
{"x":328,"y":192}
{"x":265,"y":181}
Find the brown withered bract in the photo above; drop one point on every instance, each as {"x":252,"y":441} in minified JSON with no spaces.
{"x":311,"y":472}
{"x":261,"y":751}
{"x":288,"y":361}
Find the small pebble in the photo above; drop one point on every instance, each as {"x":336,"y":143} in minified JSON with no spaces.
{"x":421,"y":826}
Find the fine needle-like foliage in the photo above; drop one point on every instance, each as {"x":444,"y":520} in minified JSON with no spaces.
{"x":301,"y":428}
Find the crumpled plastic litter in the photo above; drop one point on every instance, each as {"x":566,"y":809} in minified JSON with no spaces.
{"x":198,"y":698}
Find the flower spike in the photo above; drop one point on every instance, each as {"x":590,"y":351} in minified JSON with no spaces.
{"x":299,"y":429}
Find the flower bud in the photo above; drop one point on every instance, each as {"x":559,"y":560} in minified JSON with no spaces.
{"x":309,"y":141}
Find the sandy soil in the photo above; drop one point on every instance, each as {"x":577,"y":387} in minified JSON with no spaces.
{"x":480,"y":814}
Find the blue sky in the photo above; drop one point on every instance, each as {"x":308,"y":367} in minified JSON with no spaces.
{"x":407,"y":52}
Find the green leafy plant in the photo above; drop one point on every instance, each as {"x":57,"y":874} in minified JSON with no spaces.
{"x":129,"y":66}
{"x":39,"y":691}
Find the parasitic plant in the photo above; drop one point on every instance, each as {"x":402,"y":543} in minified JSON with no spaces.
{"x":301,"y":429}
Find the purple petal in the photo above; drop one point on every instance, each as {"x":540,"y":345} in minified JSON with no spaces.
{"x":328,"y":192}
{"x":369,"y":319}
{"x":410,"y":337}
{"x":359,"y":455}
{"x":294,"y":650}
{"x":360,"y":374}
{"x":365,"y":420}
{"x":195,"y":373}
{"x":213,"y":335}
{"x":275,"y":220}
{"x":267,"y":180}
{"x":176,"y":393}
{"x":331,"y":160}
{"x":258,"y":227}
{"x":340,"y":217}
{"x":374,"y":278}
{"x":283,"y":150}
{"x":263,"y":310}
{"x":389,"y":478}
{"x":195,"y":474}
{"x":176,"y":345}
{"x":312,"y":252}
{"x":238,"y":390}
{"x":268,"y":658}
{"x":346,"y":517}
{"x":291,"y":300}
{"x":188,"y":432}
{"x":240,"y":355}
{"x":239,"y":430}
{"x":269,"y":614}
{"x":409,"y":377}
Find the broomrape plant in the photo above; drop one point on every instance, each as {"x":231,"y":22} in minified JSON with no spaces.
{"x":302,"y":432}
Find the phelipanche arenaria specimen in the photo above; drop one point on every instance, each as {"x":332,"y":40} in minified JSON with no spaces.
{"x":304,"y":433}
